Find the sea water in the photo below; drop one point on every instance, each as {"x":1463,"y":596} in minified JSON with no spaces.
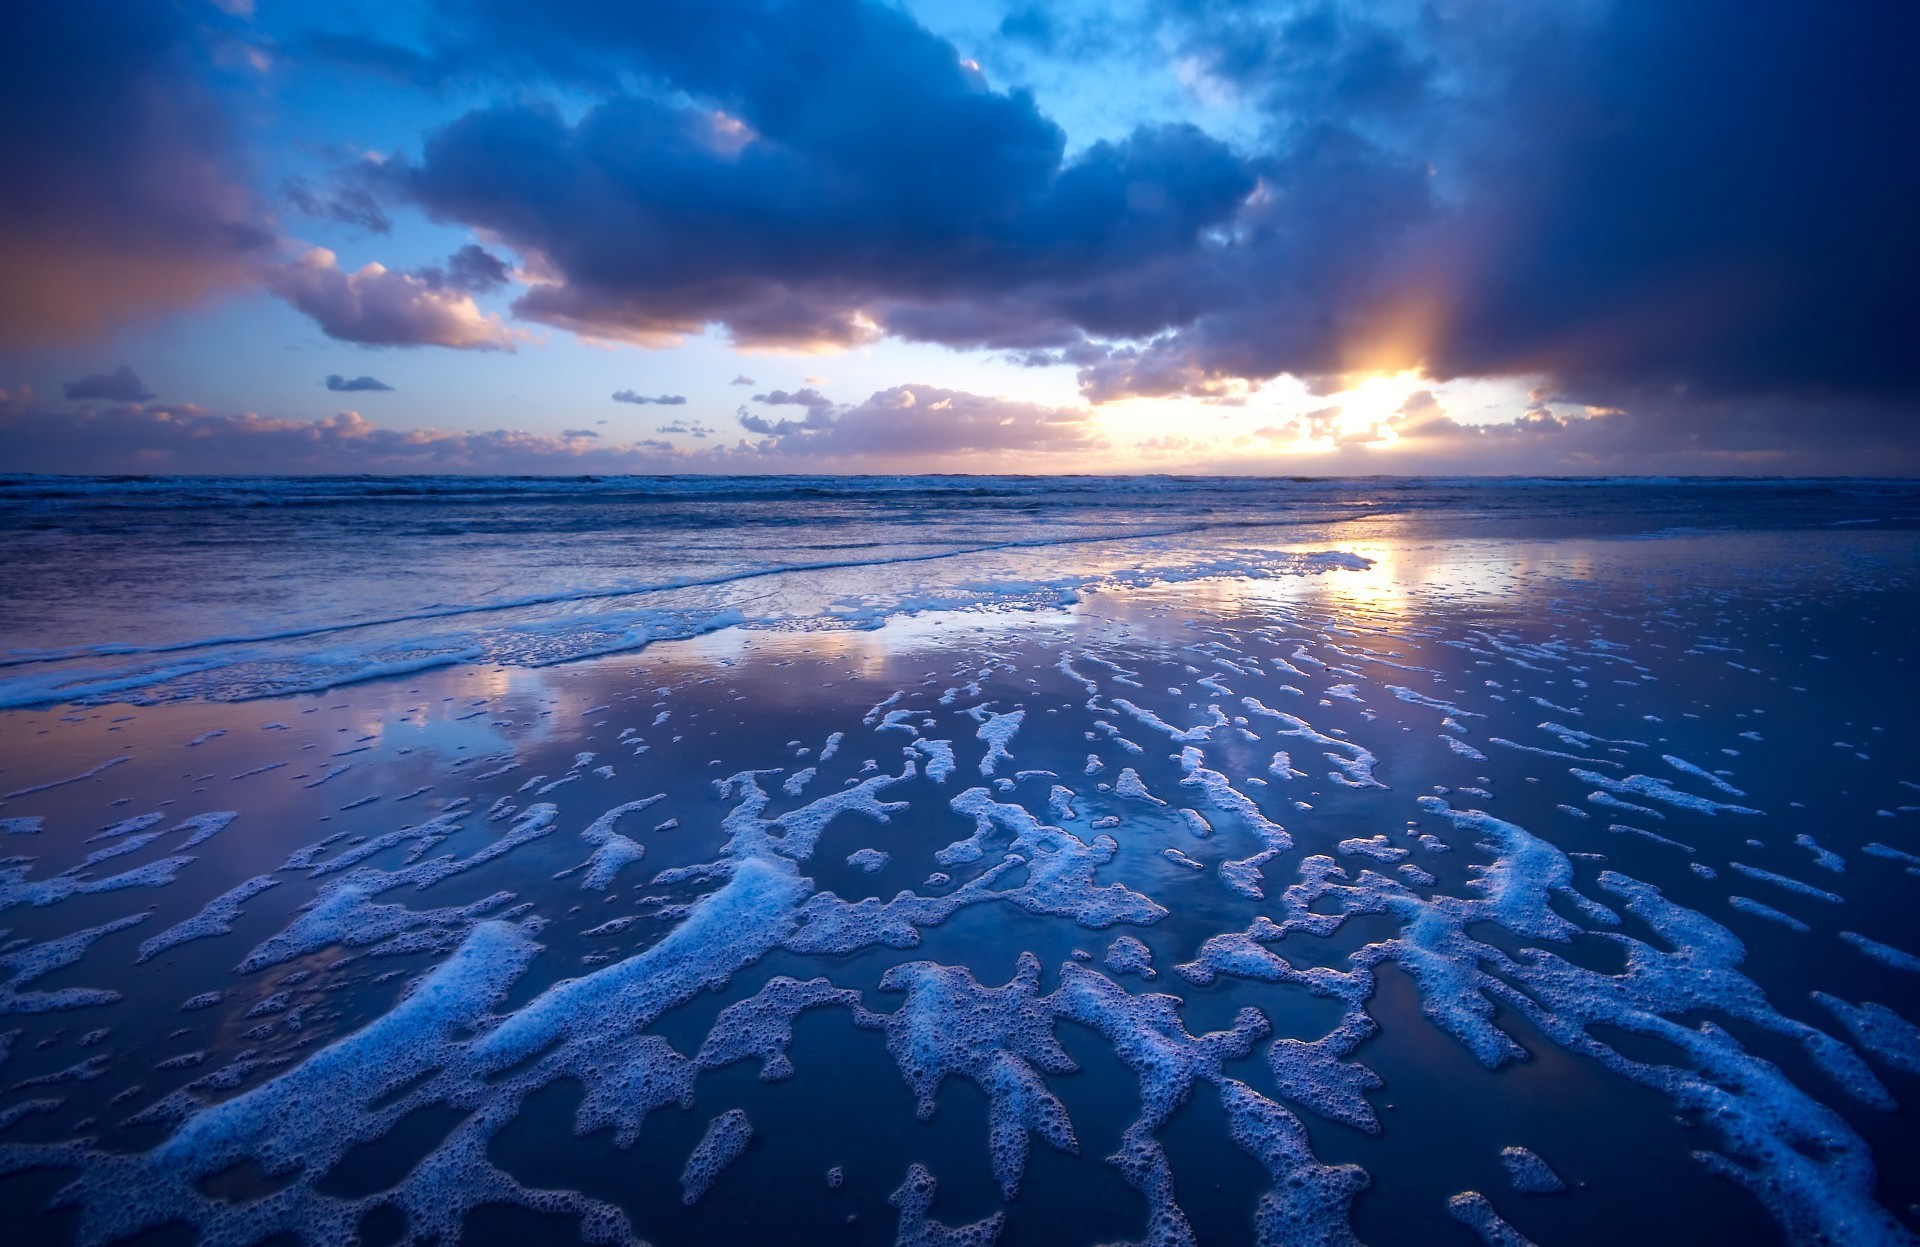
{"x":959,"y":861}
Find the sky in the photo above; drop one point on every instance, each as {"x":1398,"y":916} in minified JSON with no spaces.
{"x":847,"y":236}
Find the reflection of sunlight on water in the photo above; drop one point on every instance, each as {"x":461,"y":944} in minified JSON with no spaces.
{"x":1383,"y":591}
{"x":864,"y":651}
{"x":1380,"y":590}
{"x":1408,"y":575}
{"x":443,"y":729}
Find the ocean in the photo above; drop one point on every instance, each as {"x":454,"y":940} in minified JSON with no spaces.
{"x":959,"y":860}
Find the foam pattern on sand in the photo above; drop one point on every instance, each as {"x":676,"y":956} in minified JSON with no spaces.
{"x":461,"y":964}
{"x":1530,"y":1174}
{"x":724,"y":1142}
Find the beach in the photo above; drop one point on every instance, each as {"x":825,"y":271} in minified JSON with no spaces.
{"x":979,"y":859}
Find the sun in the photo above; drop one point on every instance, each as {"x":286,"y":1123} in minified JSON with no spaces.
{"x":1368,"y":407}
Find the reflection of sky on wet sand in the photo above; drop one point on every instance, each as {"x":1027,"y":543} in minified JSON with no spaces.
{"x":342,"y":582}
{"x":735,"y":698}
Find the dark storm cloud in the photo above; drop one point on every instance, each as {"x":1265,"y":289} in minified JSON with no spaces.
{"x":1661,"y":434}
{"x":662,"y":400}
{"x":120,"y":386}
{"x":353,"y":385}
{"x":1704,"y":215}
{"x":840,"y":173}
{"x":1719,"y":196}
{"x":1708,"y":200}
{"x":124,"y":193}
{"x":1731,"y":199}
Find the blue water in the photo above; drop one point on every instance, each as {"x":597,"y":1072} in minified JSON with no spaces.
{"x":400,"y":859}
{"x":156,"y":588}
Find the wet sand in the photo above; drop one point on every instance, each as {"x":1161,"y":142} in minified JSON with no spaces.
{"x":1775,"y":665}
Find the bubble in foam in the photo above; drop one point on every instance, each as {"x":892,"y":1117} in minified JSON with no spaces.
{"x":1223,"y":796}
{"x":762,"y":1025}
{"x":17,"y":889}
{"x":914,"y":1199}
{"x":1885,"y":954}
{"x":1310,"y":1202}
{"x":24,"y":965}
{"x":1657,"y":789}
{"x":725,"y":1141}
{"x":939,"y":754}
{"x":1181,"y":859}
{"x":1529,"y":1174}
{"x":1748,"y":905}
{"x":1356,"y":763}
{"x":1476,"y":1212}
{"x":1196,"y":824}
{"x":1376,"y":847}
{"x":1128,"y":955}
{"x":999,"y":1037}
{"x":1879,"y":1029}
{"x":996,"y":729}
{"x":869,"y":860}
{"x":343,"y":914}
{"x":1183,"y":736}
{"x":1060,"y":865}
{"x":1129,"y":785}
{"x":215,"y":918}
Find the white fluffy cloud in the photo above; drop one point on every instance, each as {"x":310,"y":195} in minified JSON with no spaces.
{"x":379,"y":306}
{"x":927,"y":424}
{"x":906,"y":428}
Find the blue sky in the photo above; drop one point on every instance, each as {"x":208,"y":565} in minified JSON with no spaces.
{"x":1193,"y":236}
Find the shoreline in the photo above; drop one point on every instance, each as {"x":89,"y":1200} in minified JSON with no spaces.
{"x":455,"y":766}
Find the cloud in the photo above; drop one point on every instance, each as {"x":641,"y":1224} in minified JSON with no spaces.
{"x":906,"y":428}
{"x":378,"y":306}
{"x":661,"y":400}
{"x":1630,"y":198}
{"x":908,"y":189}
{"x":742,"y":379}
{"x":135,"y":438}
{"x":1627,"y":197}
{"x":930,"y":426}
{"x":472,"y":268}
{"x":920,"y":428}
{"x":126,"y":192}
{"x":816,"y":403}
{"x":1654,"y":432}
{"x":349,"y":385}
{"x":120,"y":386}
{"x":1528,"y":190}
{"x":343,"y":205}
